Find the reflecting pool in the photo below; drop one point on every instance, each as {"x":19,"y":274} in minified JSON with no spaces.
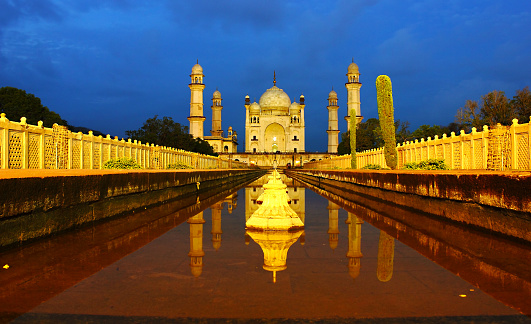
{"x":201,"y":263}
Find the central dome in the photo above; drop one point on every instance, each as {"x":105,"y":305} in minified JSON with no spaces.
{"x":275,"y":100}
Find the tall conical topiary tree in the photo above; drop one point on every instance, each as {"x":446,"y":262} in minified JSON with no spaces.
{"x":384,"y":92}
{"x":353,"y":163}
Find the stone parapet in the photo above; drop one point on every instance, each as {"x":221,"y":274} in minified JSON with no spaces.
{"x":497,"y":201}
{"x":34,"y":205}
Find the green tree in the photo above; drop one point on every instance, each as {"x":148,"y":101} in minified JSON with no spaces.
{"x":344,"y":146}
{"x":369,"y":136}
{"x":495,"y":108}
{"x":425,"y":131}
{"x":384,"y":91}
{"x":16,"y":103}
{"x":402,"y":131}
{"x":166,"y":132}
{"x":521,"y":104}
{"x":470,"y":116}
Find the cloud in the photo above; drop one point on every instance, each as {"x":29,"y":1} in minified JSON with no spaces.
{"x":12,"y":11}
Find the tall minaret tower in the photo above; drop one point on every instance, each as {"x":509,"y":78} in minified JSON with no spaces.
{"x":216,"y":114}
{"x":353,"y":86}
{"x":333,"y":130}
{"x":196,"y":86}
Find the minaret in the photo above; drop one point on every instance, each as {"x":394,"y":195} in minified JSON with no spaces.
{"x":196,"y":244}
{"x":354,"y":245}
{"x":333,"y":130}
{"x":333,"y":224}
{"x":247,"y":123}
{"x":302,"y":140}
{"x":353,"y":86}
{"x":216,"y":114}
{"x":196,"y":86}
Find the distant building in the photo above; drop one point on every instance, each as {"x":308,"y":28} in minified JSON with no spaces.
{"x":274,"y":124}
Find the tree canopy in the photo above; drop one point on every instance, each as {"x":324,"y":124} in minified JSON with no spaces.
{"x":16,"y":103}
{"x":494,"y":108}
{"x":369,"y":136}
{"x":166,"y":132}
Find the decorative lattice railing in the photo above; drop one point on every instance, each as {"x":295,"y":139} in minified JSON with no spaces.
{"x":24,"y":146}
{"x":494,"y":148}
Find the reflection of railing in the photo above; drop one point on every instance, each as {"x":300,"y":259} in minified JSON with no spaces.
{"x":494,"y":148}
{"x":501,"y":273}
{"x":24,"y":146}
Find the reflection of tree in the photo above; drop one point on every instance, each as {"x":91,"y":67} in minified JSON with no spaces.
{"x":354,"y":245}
{"x":216,"y":225}
{"x":275,"y":245}
{"x":386,"y":252}
{"x":333,"y":225}
{"x":196,"y":244}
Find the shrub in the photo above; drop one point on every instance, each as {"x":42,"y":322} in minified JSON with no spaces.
{"x":410,"y":166}
{"x":430,"y":164}
{"x":372,"y":167}
{"x":179,"y":165}
{"x":121,"y":163}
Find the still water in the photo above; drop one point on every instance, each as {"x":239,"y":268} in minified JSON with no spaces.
{"x":201,"y":263}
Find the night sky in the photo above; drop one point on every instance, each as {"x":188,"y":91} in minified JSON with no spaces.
{"x":110,"y":65}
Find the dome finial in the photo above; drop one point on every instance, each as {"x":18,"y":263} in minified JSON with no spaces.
{"x":353,"y":59}
{"x":198,"y":61}
{"x":274,"y":78}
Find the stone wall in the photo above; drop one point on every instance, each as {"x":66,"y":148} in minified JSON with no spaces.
{"x":33,"y":207}
{"x":498,"y":202}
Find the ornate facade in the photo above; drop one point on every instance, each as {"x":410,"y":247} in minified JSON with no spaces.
{"x":274,"y":124}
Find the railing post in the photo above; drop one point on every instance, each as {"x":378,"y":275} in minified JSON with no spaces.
{"x":4,"y":141}
{"x":485,"y":143}
{"x":91,"y":138}
{"x":452,"y":155}
{"x":25,"y":143}
{"x":528,"y":144}
{"x":514,"y":145}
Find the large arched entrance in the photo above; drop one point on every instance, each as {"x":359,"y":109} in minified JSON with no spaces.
{"x":275,"y":138}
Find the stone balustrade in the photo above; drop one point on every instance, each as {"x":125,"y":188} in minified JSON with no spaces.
{"x":25,"y":146}
{"x":493,"y":148}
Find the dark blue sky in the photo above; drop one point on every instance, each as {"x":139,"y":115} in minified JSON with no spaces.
{"x":110,"y":65}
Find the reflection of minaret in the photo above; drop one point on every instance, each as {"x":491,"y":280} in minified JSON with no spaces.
{"x":386,"y":253}
{"x":216,"y":225}
{"x":196,"y":244}
{"x":333,"y":224}
{"x":354,"y":245}
{"x":232,"y":202}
